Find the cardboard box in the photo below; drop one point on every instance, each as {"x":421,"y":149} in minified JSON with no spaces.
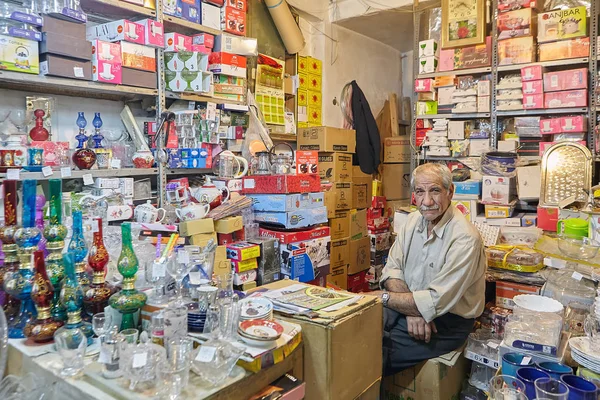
{"x":360,"y":195}
{"x":469,"y":187}
{"x":529,"y":220}
{"x":519,"y":50}
{"x":116,"y":31}
{"x":210,"y":16}
{"x":532,"y":73}
{"x":335,"y":345}
{"x":242,"y":251}
{"x":396,"y":181}
{"x":436,"y":379}
{"x":57,"y":44}
{"x":65,"y":67}
{"x":280,"y":184}
{"x":517,"y":23}
{"x":357,"y":283}
{"x":202,"y":239}
{"x":566,"y":80}
{"x":287,"y":202}
{"x":533,"y":87}
{"x":246,"y":265}
{"x":138,"y":56}
{"x":497,"y":211}
{"x":340,"y":253}
{"x":547,"y":218}
{"x":424,"y":85}
{"x":506,"y":291}
{"x":154,"y":33}
{"x":467,"y":57}
{"x":287,"y":237}
{"x":233,"y":21}
{"x":498,"y":189}
{"x":468,"y":208}
{"x":428,"y":65}
{"x":573,"y":123}
{"x":529,"y":182}
{"x":567,"y":98}
{"x":175,"y":42}
{"x":397,"y":149}
{"x":564,"y":49}
{"x":428,"y":48}
{"x":360,"y":255}
{"x":305,"y":261}
{"x":380,"y":241}
{"x":339,"y":277}
{"x":339,"y":225}
{"x":360,"y":178}
{"x":189,"y":228}
{"x":228,"y":64}
{"x":229,"y":224}
{"x":63,"y":27}
{"x":19,"y":55}
{"x":269,"y":267}
{"x":335,"y":167}
{"x":307,"y":162}
{"x":513,"y":221}
{"x":358,"y":224}
{"x":236,"y":45}
{"x":135,"y":77}
{"x":562,"y":24}
{"x":323,"y":138}
{"x":339,"y":197}
{"x":533,"y":101}
{"x":293,"y":219}
{"x":504,"y":7}
{"x":207,"y":40}
{"x":222,"y":263}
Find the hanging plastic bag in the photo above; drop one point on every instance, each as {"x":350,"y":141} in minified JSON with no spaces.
{"x":257,"y":135}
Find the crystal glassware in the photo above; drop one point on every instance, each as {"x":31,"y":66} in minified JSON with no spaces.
{"x":101,"y":324}
{"x":38,"y":132}
{"x":42,"y":292}
{"x":109,"y":354}
{"x":71,"y":344}
{"x":178,"y":267}
{"x":141,"y":363}
{"x":97,"y":293}
{"x":71,"y":298}
{"x":155,"y":275}
{"x":505,"y":387}
{"x":19,"y":120}
{"x":214,"y":360}
{"x":128,"y":300}
{"x":55,"y":233}
{"x":9,"y":247}
{"x":78,"y":248}
{"x":83,"y":157}
{"x":551,"y":389}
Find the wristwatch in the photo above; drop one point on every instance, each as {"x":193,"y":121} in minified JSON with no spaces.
{"x":385,"y":298}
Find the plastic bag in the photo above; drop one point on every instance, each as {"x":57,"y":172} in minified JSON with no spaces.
{"x":257,"y":135}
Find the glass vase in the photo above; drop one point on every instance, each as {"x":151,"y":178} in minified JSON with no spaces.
{"x":55,"y":233}
{"x":127,"y":301}
{"x":71,"y":298}
{"x":78,"y":248}
{"x":42,"y":292}
{"x":97,"y":293}
{"x":40,"y":202}
{"x":7,"y":233}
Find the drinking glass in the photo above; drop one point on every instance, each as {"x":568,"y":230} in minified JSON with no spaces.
{"x":178,"y":267}
{"x":207,"y":295}
{"x":71,"y":345}
{"x":505,"y":387}
{"x":180,"y":348}
{"x":155,"y":275}
{"x":174,"y":376}
{"x":101,"y":323}
{"x":130,"y":336}
{"x":592,"y":330}
{"x":551,"y":389}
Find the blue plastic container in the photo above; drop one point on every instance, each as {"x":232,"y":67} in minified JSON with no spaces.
{"x":528,"y":375}
{"x":554,"y":369}
{"x":511,"y":362}
{"x":580,"y":388}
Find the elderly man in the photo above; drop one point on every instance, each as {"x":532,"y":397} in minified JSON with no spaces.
{"x":434,"y":280}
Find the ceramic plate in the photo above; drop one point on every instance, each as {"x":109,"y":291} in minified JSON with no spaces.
{"x":539,"y":303}
{"x":255,"y":307}
{"x":581,"y":346}
{"x":262,"y":329}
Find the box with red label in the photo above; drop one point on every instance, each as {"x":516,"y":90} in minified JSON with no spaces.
{"x":176,"y":42}
{"x":205,"y":39}
{"x":380,"y":241}
{"x":378,"y":224}
{"x":246,"y":265}
{"x":564,"y":49}
{"x":468,"y":208}
{"x":137,"y":56}
{"x":52,"y":150}
{"x":239,"y":4}
{"x":227,"y":64}
{"x":573,"y":123}
{"x":533,"y":101}
{"x":466,"y":57}
{"x":239,"y":278}
{"x":358,"y":282}
{"x":307,"y":162}
{"x":533,"y":87}
{"x":303,"y":260}
{"x":566,"y":80}
{"x":287,"y":236}
{"x":506,"y":291}
{"x":106,"y":62}
{"x":504,"y":6}
{"x":532,"y":73}
{"x":233,"y":21}
{"x":550,"y":126}
{"x":242,"y":251}
{"x":424,"y":85}
{"x":273,"y":184}
{"x":518,"y":50}
{"x":115,"y":31}
{"x":373,"y":213}
{"x":568,"y":98}
{"x":547,"y":218}
{"x":154,"y":33}
{"x":378,"y":202}
{"x":546,"y":145}
{"x":515,"y":23}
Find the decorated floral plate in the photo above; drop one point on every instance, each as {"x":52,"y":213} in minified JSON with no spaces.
{"x":255,"y":308}
{"x":261,"y":329}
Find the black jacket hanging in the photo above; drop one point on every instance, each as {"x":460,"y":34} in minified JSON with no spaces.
{"x":368,"y":144}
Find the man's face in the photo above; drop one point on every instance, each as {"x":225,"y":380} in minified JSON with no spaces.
{"x":431,"y":197}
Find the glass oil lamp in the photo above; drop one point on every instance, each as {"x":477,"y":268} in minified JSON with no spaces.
{"x":40,"y":202}
{"x":19,"y":283}
{"x":96,"y":294}
{"x":55,"y":233}
{"x":97,"y":138}
{"x":42,"y":292}
{"x":71,"y":298}
{"x":83,"y":157}
{"x":127,"y":301}
{"x":7,"y":233}
{"x":78,"y":249}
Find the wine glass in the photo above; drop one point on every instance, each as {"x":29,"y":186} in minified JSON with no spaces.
{"x":178,"y":267}
{"x":101,"y":323}
{"x":71,"y":345}
{"x":19,"y":119}
{"x":155,"y":275}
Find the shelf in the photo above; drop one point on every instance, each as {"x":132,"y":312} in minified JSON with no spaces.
{"x":283,"y":137}
{"x":70,"y":87}
{"x":189,"y":171}
{"x":199,"y":97}
{"x":545,"y":111}
{"x":454,"y":116}
{"x":115,"y":8}
{"x":554,"y":63}
{"x":96,"y":173}
{"x":471,"y":71}
{"x":172,"y":22}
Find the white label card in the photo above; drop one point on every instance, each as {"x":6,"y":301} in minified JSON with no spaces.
{"x":65,"y":172}
{"x":195,"y":278}
{"x":159,"y":270}
{"x":88,"y":179}
{"x":183,"y":257}
{"x":525,"y":360}
{"x":206,"y":353}
{"x":78,"y":72}
{"x":115,"y":163}
{"x":104,"y":357}
{"x":47,"y":171}
{"x":140,"y":360}
{"x":95,"y":226}
{"x":13,"y":174}
{"x":577,"y":276}
{"x":493,"y":345}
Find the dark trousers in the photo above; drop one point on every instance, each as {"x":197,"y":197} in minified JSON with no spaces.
{"x":401,"y":351}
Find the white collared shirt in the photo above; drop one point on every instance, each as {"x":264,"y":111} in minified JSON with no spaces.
{"x":446,"y":271}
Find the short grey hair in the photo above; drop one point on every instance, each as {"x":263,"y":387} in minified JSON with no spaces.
{"x":440,"y":170}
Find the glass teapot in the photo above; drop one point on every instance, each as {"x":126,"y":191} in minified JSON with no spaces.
{"x":261,"y":163}
{"x":282,"y":164}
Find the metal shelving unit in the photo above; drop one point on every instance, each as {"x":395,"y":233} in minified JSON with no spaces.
{"x":96,"y":173}
{"x":590,"y":62}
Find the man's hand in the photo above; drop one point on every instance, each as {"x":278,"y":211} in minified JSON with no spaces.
{"x":419,"y":329}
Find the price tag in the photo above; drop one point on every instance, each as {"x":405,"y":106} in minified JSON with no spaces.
{"x":65,"y":172}
{"x":104,"y":357}
{"x":493,"y":345}
{"x":13,"y":174}
{"x":577,"y":276}
{"x":88,"y":179}
{"x":115,"y":163}
{"x":78,"y":72}
{"x":206,"y":354}
{"x":159,"y":270}
{"x":95,"y":226}
{"x":183,"y":257}
{"x":47,"y":171}
{"x":140,"y":360}
{"x":525,"y":360}
{"x":191,"y":105}
{"x":195,"y":278}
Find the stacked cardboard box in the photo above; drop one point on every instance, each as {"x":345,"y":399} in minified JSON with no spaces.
{"x":64,"y":50}
{"x":396,"y":168}
{"x":380,"y":238}
{"x":244,"y":257}
{"x":310,"y":77}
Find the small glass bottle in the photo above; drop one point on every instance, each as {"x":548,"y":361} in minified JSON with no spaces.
{"x":157,"y":327}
